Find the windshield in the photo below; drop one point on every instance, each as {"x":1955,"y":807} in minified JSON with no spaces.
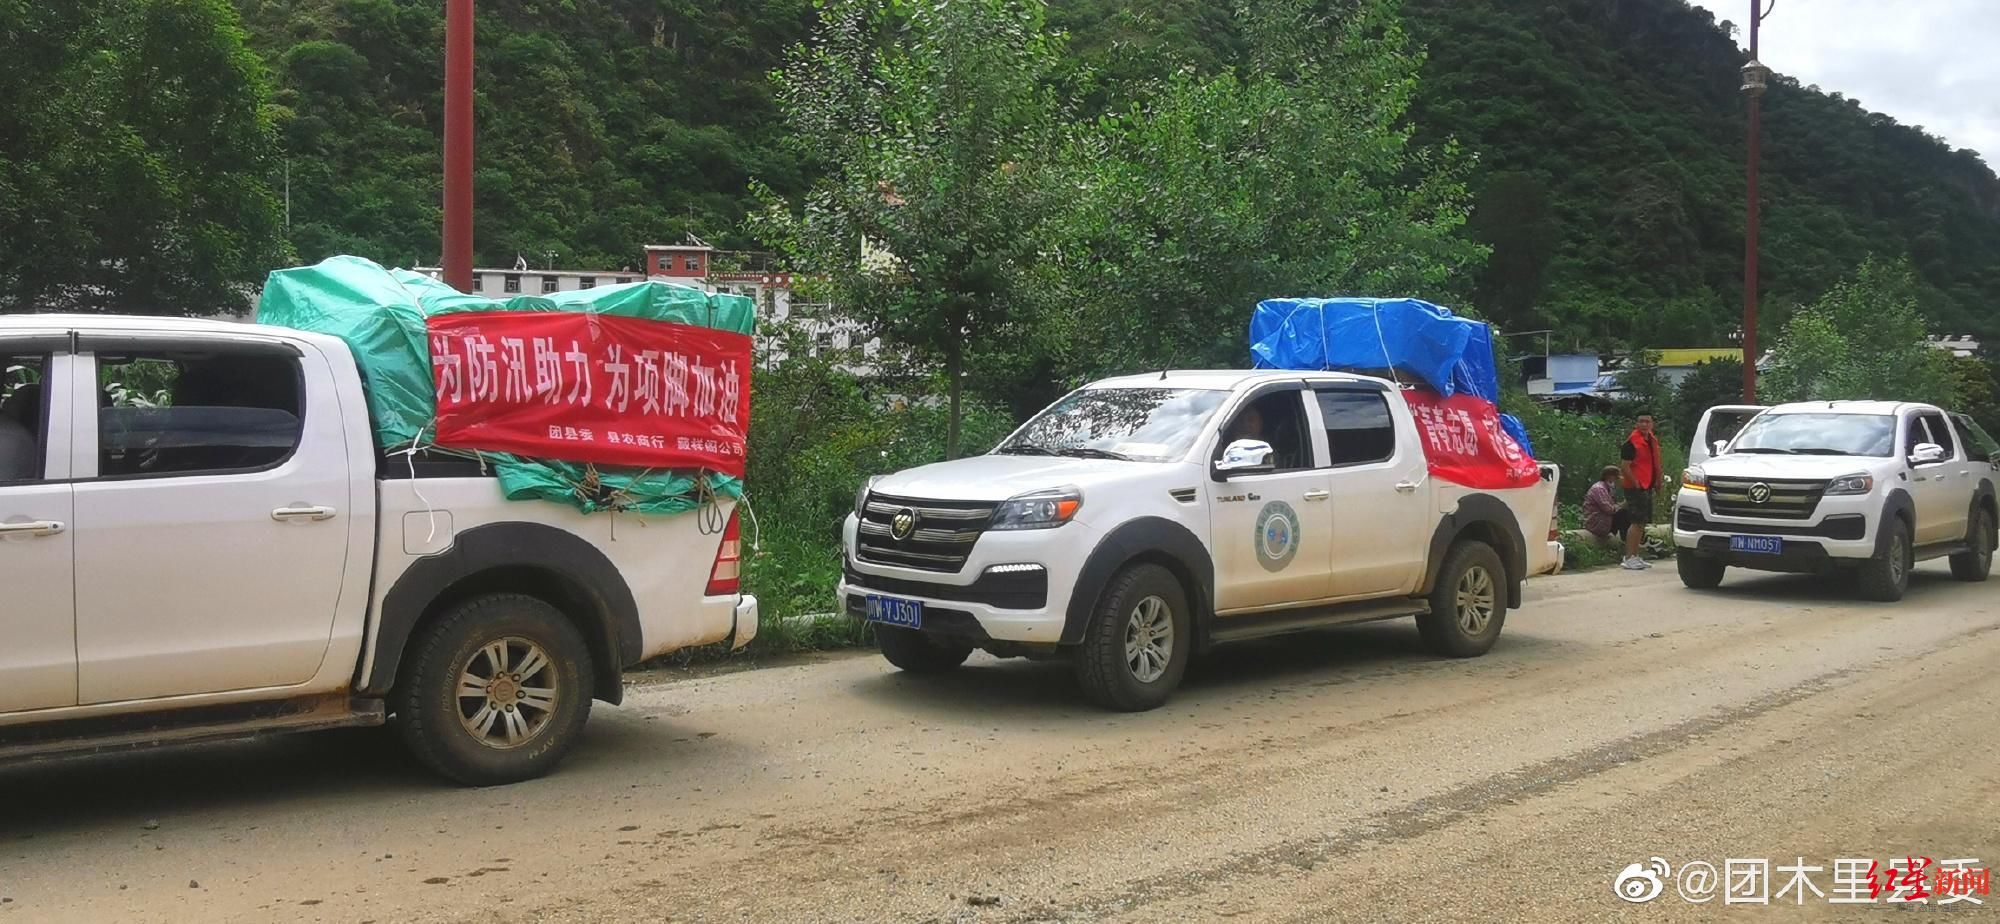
{"x":1828,"y":434}
{"x":1141,"y":424}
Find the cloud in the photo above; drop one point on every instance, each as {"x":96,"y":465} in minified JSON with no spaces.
{"x":1930,"y":63}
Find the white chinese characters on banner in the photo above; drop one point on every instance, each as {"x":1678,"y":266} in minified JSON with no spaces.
{"x":472,"y":369}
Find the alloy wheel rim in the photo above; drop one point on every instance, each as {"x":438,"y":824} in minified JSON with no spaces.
{"x":507,"y":693}
{"x":1149,"y":639}
{"x":1476,"y":600}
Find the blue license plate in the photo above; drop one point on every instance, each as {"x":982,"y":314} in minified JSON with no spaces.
{"x":895,"y":611}
{"x":1757,"y":545}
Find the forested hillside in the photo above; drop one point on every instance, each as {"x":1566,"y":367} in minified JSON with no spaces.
{"x":1609,"y":138}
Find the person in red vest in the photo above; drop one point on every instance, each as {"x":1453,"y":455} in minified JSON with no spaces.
{"x":1639,"y":464}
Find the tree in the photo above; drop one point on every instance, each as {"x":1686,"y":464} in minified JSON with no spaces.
{"x":934,"y":123}
{"x":135,"y":159}
{"x":1863,"y":339}
{"x":1292,"y":174}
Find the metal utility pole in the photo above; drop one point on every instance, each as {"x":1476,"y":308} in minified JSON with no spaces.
{"x":1755,"y":77}
{"x":458,"y":144}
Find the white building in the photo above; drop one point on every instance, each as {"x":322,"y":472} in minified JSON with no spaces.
{"x":737,"y":273}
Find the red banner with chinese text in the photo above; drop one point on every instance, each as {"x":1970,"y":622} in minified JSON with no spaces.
{"x":597,"y":388}
{"x":1463,"y":442}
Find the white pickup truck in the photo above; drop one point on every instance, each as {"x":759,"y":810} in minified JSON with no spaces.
{"x":201,"y":541}
{"x":1139,"y":520}
{"x":1860,"y":488}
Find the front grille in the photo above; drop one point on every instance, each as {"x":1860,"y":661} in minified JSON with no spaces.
{"x":1787,"y":499}
{"x":941,"y":539}
{"x":1845,"y":526}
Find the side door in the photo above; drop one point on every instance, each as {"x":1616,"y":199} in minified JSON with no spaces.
{"x":211,"y":538}
{"x":1271,"y":530}
{"x":37,"y":585}
{"x":1940,"y":512}
{"x":1721,"y":422}
{"x":1381,"y":521}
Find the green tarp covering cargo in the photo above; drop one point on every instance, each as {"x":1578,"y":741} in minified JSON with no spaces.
{"x":385,"y":317}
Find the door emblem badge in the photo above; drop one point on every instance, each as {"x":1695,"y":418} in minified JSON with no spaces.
{"x":903,"y":524}
{"x":1760,"y":493}
{"x":1277,"y":536}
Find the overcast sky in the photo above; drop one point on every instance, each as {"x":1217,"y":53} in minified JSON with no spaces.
{"x":1926,"y":62}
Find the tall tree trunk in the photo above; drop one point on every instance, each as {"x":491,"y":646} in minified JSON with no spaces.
{"x":954,"y":362}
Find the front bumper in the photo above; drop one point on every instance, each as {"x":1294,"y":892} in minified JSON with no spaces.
{"x":1014,"y":587}
{"x":1841,"y":530}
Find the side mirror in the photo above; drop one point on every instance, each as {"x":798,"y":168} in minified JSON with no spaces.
{"x":1718,"y":446}
{"x":1244,"y":456}
{"x":1927,"y":454}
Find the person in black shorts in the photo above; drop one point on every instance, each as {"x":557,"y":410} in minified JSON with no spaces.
{"x":1639,"y":464}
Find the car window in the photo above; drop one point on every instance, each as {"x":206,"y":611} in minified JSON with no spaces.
{"x":23,"y":428}
{"x":1819,"y":433}
{"x":177,"y":413}
{"x":1359,"y":429}
{"x":1144,"y":424}
{"x":1979,"y":445}
{"x":1277,"y":418}
{"x":1937,"y":431}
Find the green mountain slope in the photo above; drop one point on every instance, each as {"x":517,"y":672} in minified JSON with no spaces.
{"x":1610,"y":135}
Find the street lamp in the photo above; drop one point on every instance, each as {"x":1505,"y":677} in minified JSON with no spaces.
{"x":1755,"y":78}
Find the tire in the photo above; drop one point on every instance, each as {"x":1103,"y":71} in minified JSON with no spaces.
{"x":1697,"y":572}
{"x":917,"y":653}
{"x":1136,"y":645}
{"x":1468,"y":602}
{"x":1885,"y":577}
{"x":1976,"y":562}
{"x":440,"y":724}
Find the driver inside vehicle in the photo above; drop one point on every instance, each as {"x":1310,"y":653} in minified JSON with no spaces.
{"x":1267,"y":419}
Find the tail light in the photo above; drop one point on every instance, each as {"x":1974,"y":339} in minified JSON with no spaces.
{"x":726,"y":577}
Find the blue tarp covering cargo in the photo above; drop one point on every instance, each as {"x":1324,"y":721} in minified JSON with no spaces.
{"x":1413,"y":338}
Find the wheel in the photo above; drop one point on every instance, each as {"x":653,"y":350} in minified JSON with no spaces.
{"x":1698,"y":572}
{"x":1976,"y":562}
{"x":1135,"y":647}
{"x":918,"y":653}
{"x":1468,"y":602}
{"x":496,"y":691}
{"x":1887,"y":575}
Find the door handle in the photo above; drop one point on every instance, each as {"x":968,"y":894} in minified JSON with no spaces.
{"x":32,"y":528}
{"x":1316,"y":495}
{"x":1406,"y":486}
{"x":283,"y":514}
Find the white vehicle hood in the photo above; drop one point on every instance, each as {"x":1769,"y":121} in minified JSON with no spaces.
{"x":1777,"y":465}
{"x":998,"y":477}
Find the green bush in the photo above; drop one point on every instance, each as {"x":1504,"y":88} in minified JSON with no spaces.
{"x":817,"y":432}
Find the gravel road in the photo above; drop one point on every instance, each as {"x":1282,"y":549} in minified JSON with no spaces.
{"x":1343,"y":775}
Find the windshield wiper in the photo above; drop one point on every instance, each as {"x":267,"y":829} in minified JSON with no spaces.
{"x":1821,"y":451}
{"x":1765,"y":449}
{"x":1091,"y":452}
{"x":1025,"y":449}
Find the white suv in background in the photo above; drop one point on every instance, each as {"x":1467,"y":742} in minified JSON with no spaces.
{"x":1867,"y":487}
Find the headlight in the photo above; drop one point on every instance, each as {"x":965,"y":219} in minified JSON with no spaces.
{"x":1038,"y":510}
{"x":1857,"y":483}
{"x":1694,"y":478}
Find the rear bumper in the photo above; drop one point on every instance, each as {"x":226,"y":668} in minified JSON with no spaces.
{"x":745,"y":626}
